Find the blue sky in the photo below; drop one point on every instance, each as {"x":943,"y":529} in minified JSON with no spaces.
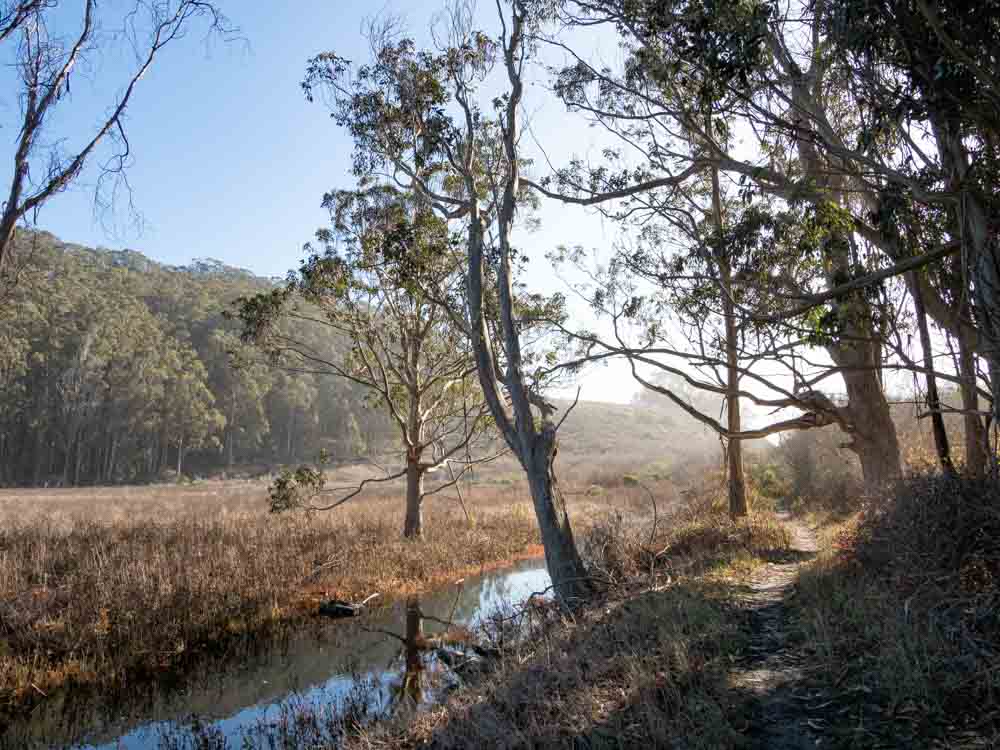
{"x":231,"y":161}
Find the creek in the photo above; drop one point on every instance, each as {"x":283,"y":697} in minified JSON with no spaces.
{"x":366,"y":665}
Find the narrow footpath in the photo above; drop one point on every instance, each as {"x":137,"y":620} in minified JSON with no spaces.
{"x":771,"y":676}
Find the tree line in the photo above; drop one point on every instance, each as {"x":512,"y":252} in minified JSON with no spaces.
{"x":114,"y":368}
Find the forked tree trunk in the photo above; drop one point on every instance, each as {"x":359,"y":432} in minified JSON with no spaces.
{"x":413,"y":527}
{"x":534,"y":444}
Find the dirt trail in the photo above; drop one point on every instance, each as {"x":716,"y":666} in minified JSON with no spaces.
{"x":771,"y":676}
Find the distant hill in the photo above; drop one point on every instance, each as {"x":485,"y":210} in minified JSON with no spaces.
{"x":117,"y":368}
{"x":624,"y":437}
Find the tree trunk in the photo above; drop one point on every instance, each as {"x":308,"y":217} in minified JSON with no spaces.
{"x":67,"y":463}
{"x":855,"y":350}
{"x":566,"y":568}
{"x":534,"y":445}
{"x":977,"y":440}
{"x":112,"y":458}
{"x":738,"y":505}
{"x":933,"y":400}
{"x":40,"y":444}
{"x":180,"y":457}
{"x":231,"y":431}
{"x":8,"y":220}
{"x":980,"y":247}
{"x":413,"y":527}
{"x":534,"y":451}
{"x":873,"y":432}
{"x":79,"y":462}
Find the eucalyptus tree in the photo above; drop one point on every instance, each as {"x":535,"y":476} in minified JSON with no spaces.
{"x":696,"y":81}
{"x":877,"y":115}
{"x":47,"y":57}
{"x":683,"y":297}
{"x":419,"y":116}
{"x":382,"y":283}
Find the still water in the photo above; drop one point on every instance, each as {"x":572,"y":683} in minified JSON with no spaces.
{"x":379,"y":659}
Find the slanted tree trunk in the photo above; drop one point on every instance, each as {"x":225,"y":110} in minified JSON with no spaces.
{"x":413,"y":527}
{"x":933,"y":400}
{"x":566,"y":568}
{"x":534,"y":448}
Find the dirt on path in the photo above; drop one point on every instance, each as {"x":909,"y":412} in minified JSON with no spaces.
{"x":771,"y":676}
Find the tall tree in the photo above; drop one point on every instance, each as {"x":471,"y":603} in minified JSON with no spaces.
{"x":383,"y":285}
{"x":398,"y":109}
{"x":735,"y":58}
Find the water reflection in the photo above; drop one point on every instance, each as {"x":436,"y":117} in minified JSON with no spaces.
{"x":395,"y":659}
{"x":410,"y":689}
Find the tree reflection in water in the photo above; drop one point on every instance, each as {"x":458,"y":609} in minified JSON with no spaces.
{"x":409,"y":690}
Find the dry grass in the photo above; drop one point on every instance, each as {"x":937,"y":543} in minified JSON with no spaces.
{"x":646,"y":665}
{"x":901,"y":617}
{"x":697,"y":537}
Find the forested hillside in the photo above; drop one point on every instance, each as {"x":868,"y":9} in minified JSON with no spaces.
{"x":115,"y":368}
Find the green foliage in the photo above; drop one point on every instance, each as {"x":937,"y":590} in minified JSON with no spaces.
{"x":768,"y":480}
{"x":294,"y":489}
